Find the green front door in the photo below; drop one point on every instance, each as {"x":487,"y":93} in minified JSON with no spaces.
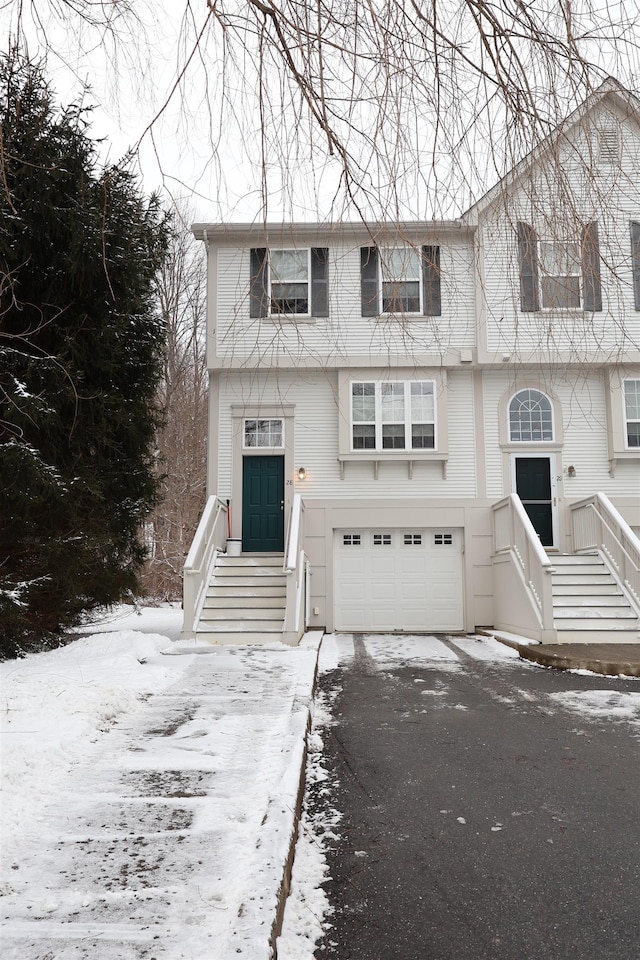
{"x":263,"y":505}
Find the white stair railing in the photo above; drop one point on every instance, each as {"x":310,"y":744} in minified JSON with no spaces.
{"x":296,"y":567}
{"x":209,"y":540}
{"x":597,"y":525}
{"x":514,"y":534}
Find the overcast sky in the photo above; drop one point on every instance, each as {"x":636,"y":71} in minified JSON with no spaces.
{"x":205,"y":142}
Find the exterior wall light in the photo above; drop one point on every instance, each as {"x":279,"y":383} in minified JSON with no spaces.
{"x":302,"y":473}
{"x":571,"y":471}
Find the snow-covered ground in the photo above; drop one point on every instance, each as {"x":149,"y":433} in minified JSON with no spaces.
{"x":148,"y":800}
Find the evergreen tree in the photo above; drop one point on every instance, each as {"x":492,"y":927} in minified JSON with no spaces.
{"x":81,"y":347}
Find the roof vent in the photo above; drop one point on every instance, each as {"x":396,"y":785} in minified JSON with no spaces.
{"x":609,"y":144}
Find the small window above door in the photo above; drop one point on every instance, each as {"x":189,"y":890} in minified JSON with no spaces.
{"x":263,"y":433}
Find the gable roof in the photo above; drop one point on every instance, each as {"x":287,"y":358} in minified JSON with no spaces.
{"x":621,"y":99}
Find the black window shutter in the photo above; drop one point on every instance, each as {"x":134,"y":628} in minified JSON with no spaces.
{"x":319,"y":282}
{"x":528,"y":264}
{"x":635,"y":262}
{"x":431,"y":290}
{"x":592,"y":288}
{"x":259,"y":289}
{"x":369,"y":281}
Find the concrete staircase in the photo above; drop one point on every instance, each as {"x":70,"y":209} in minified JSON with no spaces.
{"x":588,"y":604}
{"x":245,"y":600}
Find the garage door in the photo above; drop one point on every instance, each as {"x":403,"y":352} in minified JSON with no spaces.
{"x":398,"y":580}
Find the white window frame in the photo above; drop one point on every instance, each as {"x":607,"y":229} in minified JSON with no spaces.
{"x":379,"y":424}
{"x":629,"y":420}
{"x":542,"y":243}
{"x":262,"y":446}
{"x":384,"y":253}
{"x":289,"y":313}
{"x":541,"y":439}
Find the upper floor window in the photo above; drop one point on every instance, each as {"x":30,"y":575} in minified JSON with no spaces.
{"x":530,"y":417}
{"x":632,"y":412}
{"x":263,"y":433}
{"x":289,"y":275}
{"x":400,"y":280}
{"x":289,"y":282}
{"x":393,"y":415}
{"x":560,"y":271}
{"x":559,"y":274}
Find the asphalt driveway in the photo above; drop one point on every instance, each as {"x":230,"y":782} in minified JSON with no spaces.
{"x":491,"y":808}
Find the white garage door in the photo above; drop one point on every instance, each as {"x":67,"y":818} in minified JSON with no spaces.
{"x":398,"y":580}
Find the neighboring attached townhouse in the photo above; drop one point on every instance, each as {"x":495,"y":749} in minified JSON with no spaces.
{"x":432,"y":426}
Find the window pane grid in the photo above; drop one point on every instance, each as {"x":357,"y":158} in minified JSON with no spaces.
{"x":263,"y":433}
{"x":530,"y":417}
{"x":393,"y":416}
{"x":400,"y":276}
{"x":289,"y":281}
{"x":560,"y":268}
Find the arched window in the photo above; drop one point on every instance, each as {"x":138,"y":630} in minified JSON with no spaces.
{"x":530,"y":417}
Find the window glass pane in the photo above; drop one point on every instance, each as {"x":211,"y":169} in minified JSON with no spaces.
{"x":401,"y":297}
{"x":422,"y":405}
{"x":632,"y":399}
{"x":561,"y":292}
{"x":363,"y":402}
{"x":393,"y":436}
{"x":289,"y":266}
{"x":263,"y":433}
{"x":559,"y":258}
{"x":530,"y":417}
{"x":633,"y":434}
{"x":423,"y":436}
{"x":392,"y":402}
{"x":364,"y":437}
{"x":400,"y":263}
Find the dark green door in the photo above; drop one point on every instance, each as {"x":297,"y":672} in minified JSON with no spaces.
{"x":533,"y":486}
{"x":263,"y":504}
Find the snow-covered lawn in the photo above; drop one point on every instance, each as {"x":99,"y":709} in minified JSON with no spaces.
{"x":148,"y":800}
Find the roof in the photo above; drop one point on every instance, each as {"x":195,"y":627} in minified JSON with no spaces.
{"x":620,"y":98}
{"x":310,"y":234}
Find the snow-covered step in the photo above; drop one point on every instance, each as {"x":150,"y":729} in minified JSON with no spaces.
{"x":234,"y":626}
{"x":560,"y":588}
{"x":585,"y":619}
{"x":582,"y":579}
{"x":572,"y":600}
{"x":589,"y":606}
{"x":246,"y":601}
{"x":247,"y":580}
{"x":238,"y":637}
{"x":253,"y":614}
{"x":250,"y":560}
{"x":598,"y":636}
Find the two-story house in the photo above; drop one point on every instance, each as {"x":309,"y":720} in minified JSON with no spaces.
{"x":432,"y":426}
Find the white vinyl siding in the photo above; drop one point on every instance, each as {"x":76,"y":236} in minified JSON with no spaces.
{"x":316,"y":415}
{"x":565,"y":335}
{"x":581,"y":396}
{"x":344,"y":333}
